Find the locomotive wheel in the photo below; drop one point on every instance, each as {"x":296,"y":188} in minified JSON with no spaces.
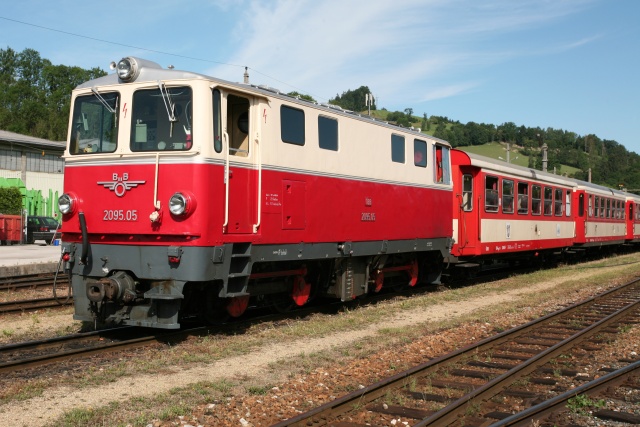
{"x":214,"y":307}
{"x":413,"y":273}
{"x":378,"y":279}
{"x":281,"y":303}
{"x":237,"y":305}
{"x":301,"y":291}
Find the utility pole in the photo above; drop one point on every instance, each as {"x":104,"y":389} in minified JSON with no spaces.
{"x":368,"y":99}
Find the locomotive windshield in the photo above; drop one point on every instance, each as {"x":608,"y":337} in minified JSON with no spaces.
{"x":162,"y":119}
{"x":95,"y":123}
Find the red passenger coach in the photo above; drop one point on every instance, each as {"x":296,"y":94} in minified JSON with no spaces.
{"x":506,"y":211}
{"x":633,"y":218}
{"x":601,"y":217}
{"x":186,"y":195}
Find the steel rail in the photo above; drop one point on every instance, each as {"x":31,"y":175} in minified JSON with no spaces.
{"x":451,"y":413}
{"x":320,"y":415}
{"x":530,"y":415}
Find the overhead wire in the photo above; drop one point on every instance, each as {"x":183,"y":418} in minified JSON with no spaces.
{"x":146,"y":49}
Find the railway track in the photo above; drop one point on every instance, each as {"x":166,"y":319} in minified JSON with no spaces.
{"x":613,"y":385}
{"x":482,"y":383}
{"x":33,"y":285}
{"x":31,"y":354}
{"x":33,"y":304}
{"x":31,"y":281}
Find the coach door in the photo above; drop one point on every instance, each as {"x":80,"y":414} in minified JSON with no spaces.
{"x":467,"y":222}
{"x":242,"y":173}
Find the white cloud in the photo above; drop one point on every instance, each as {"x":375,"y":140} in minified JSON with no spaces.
{"x":320,"y":47}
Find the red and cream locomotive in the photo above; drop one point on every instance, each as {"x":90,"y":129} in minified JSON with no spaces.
{"x":186,"y":195}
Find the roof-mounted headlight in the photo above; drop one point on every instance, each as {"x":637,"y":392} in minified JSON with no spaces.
{"x":127,"y":69}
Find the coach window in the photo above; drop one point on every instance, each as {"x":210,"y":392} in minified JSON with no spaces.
{"x":548,"y":200}
{"x":95,"y":124}
{"x":441,"y":171}
{"x":620,"y":210}
{"x":597,"y":206}
{"x":523,"y":198}
{"x":609,"y":208}
{"x":292,"y":125}
{"x":328,"y":133}
{"x":491,"y":197}
{"x":397,"y":148}
{"x":467,"y":193}
{"x":601,"y":207}
{"x":420,"y":153}
{"x":557,"y":202}
{"x":217,"y":122}
{"x":507,"y":196}
{"x":536,"y":195}
{"x":568,"y":203}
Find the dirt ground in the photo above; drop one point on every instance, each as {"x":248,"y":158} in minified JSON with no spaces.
{"x":260,"y":365}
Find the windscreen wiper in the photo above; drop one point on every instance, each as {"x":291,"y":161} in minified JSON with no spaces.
{"x":169,"y":105}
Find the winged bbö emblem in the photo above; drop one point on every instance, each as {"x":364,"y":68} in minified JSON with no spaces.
{"x":120,"y":184}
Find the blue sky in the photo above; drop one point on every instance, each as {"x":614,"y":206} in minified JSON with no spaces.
{"x":567,"y":64}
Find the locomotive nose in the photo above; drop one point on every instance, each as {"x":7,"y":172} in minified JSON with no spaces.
{"x":119,"y":287}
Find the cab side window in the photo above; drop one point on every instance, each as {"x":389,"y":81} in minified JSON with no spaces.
{"x":217,"y":122}
{"x":238,"y":125}
{"x":441,"y":170}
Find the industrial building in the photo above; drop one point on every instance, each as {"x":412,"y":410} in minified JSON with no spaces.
{"x":36,"y":167}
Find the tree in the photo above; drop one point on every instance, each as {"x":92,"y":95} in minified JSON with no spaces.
{"x":426,"y":124}
{"x":35,"y":95}
{"x":10,"y":201}
{"x":354,"y":100}
{"x":301,"y":96}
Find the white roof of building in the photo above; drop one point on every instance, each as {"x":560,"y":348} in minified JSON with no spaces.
{"x":6,"y":136}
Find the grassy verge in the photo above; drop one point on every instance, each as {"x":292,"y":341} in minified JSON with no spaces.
{"x":165,"y":406}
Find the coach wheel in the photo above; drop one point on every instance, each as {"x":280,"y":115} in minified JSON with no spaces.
{"x":237,"y":305}
{"x":301,"y":291}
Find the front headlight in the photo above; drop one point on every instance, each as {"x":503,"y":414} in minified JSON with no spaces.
{"x":182,"y":203}
{"x":178,"y":204}
{"x":65,"y":203}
